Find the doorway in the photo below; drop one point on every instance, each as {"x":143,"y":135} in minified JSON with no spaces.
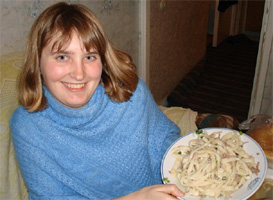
{"x":244,"y":17}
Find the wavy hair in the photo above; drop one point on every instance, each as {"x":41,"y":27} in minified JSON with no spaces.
{"x":119,"y":76}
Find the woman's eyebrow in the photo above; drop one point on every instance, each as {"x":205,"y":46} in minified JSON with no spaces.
{"x":61,"y":52}
{"x":92,"y":52}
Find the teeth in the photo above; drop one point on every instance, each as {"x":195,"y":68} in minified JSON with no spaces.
{"x":74,"y":86}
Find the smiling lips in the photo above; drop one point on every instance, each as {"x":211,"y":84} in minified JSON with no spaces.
{"x":74,"y":86}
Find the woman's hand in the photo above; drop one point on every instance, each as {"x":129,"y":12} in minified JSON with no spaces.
{"x":155,"y":192}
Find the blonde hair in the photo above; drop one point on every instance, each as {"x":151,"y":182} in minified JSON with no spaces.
{"x":119,"y":76}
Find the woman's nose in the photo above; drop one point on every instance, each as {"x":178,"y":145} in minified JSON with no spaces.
{"x":78,"y":72}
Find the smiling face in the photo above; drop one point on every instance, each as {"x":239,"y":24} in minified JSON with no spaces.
{"x":72,"y":73}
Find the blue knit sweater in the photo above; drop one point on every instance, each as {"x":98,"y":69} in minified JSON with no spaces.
{"x":101,"y":151}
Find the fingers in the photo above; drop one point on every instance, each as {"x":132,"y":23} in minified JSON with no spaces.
{"x":155,"y":192}
{"x":175,"y":191}
{"x":170,"y":189}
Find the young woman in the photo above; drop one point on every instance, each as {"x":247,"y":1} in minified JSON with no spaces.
{"x":87,"y":127}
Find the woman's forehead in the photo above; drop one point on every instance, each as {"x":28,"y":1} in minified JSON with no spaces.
{"x":62,"y":41}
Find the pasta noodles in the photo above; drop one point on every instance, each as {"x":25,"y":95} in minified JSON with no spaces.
{"x":212,"y":165}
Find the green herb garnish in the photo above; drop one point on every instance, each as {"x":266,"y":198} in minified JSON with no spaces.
{"x":198,"y":132}
{"x":224,"y":178}
{"x":166,"y":180}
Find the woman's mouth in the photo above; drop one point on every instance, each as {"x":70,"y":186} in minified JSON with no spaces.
{"x":74,"y":85}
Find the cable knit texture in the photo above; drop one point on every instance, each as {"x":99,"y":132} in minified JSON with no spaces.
{"x":101,"y":151}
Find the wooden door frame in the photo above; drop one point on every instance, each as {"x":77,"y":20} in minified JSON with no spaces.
{"x":144,"y":37}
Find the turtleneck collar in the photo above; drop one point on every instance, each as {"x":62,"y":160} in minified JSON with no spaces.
{"x":76,"y":117}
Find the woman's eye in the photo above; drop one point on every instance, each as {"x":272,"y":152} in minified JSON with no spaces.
{"x":62,"y":57}
{"x":90,"y":57}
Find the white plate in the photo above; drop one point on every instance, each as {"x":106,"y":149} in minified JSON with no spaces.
{"x":251,"y":147}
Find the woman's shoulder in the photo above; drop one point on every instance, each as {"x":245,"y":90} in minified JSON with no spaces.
{"x":22,"y":116}
{"x":142,"y":95}
{"x":142,"y":87}
{"x":18,"y":112}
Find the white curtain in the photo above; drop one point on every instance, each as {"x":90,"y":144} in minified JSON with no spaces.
{"x":261,"y":99}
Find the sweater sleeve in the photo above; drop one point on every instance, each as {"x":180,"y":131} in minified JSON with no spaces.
{"x":161,"y":131}
{"x":165,"y":132}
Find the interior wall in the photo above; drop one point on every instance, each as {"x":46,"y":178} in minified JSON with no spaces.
{"x":120,"y":20}
{"x":211,"y":17}
{"x":254,"y":17}
{"x":178,"y":34}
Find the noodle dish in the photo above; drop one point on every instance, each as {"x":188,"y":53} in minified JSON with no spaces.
{"x":215,"y":163}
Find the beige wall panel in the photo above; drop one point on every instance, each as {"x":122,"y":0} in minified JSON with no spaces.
{"x":178,"y":34}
